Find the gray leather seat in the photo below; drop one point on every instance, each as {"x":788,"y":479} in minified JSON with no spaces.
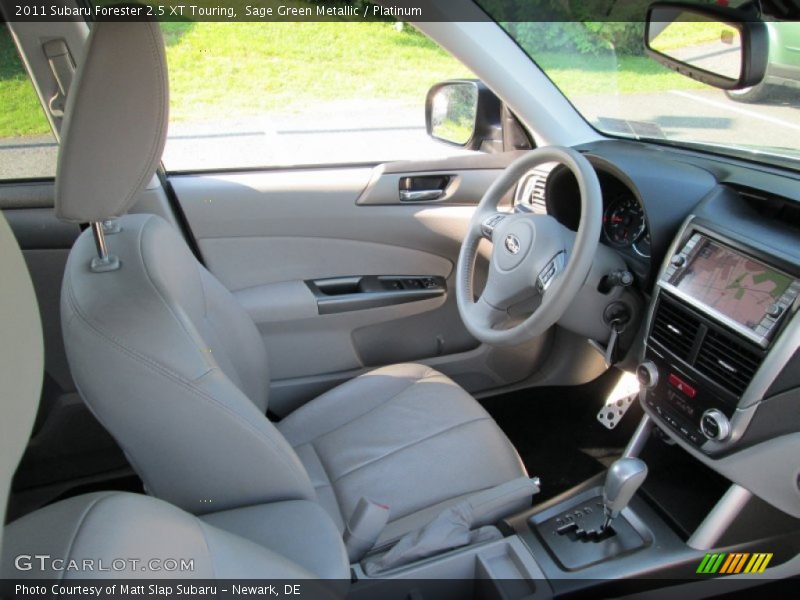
{"x":405,"y":435}
{"x":108,"y":526}
{"x":285,"y":539}
{"x":176,"y":370}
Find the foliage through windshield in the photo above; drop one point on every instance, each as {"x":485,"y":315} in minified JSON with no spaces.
{"x":602,"y":69}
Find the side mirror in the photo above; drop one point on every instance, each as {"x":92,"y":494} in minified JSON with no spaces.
{"x":720,"y":46}
{"x":465,"y":113}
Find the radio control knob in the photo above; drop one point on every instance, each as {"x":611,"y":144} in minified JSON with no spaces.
{"x":774,"y":310}
{"x":647,"y":374}
{"x":678,"y":260}
{"x":715,"y":425}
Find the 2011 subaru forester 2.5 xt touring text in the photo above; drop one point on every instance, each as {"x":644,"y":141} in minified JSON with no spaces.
{"x":470,"y":306}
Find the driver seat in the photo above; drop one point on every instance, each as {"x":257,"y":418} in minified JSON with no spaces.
{"x":176,"y":370}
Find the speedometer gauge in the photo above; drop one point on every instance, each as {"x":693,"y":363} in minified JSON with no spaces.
{"x":642,"y":245}
{"x":623,"y":221}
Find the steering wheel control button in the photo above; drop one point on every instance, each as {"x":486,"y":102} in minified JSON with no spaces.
{"x":489,"y":224}
{"x":715,"y":425}
{"x":647,"y":373}
{"x":548,"y":274}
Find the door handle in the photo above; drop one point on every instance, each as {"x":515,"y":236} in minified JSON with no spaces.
{"x":420,"y":195}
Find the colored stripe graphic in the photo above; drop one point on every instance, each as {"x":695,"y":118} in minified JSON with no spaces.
{"x":726,"y":566}
{"x":711,"y":563}
{"x":738,"y":567}
{"x":733,"y":563}
{"x":703,"y":563}
{"x":758,"y":563}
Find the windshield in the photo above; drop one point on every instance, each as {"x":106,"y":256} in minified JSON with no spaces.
{"x":601,"y":68}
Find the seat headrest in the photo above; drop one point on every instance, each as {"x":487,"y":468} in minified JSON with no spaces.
{"x":21,"y":359}
{"x":115,"y":122}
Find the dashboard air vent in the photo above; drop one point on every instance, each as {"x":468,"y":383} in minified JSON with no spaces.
{"x":675,"y":329}
{"x":727,"y":362}
{"x":531,"y":191}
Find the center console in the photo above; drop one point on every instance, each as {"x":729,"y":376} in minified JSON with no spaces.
{"x":555,"y":549}
{"x":718,"y":309}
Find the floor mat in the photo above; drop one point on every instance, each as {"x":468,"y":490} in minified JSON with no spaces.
{"x":556,"y":432}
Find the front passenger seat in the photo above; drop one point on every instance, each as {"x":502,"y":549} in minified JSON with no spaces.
{"x":74,"y":538}
{"x":176,"y":370}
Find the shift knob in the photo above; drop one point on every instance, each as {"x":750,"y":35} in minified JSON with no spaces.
{"x":623,"y":479}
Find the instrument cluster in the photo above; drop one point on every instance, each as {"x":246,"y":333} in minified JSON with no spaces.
{"x":625,"y":224}
{"x":553,"y":190}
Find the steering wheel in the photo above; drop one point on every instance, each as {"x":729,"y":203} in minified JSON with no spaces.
{"x":535,"y":260}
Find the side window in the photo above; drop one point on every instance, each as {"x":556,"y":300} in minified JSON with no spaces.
{"x":248,"y":95}
{"x":28,"y":148}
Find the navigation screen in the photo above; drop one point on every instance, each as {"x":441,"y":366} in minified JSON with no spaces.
{"x":735,"y":285}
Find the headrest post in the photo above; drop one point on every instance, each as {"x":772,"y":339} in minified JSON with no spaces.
{"x":100,"y":240}
{"x":103,"y":261}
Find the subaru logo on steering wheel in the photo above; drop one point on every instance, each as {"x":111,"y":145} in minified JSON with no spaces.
{"x":512,"y":243}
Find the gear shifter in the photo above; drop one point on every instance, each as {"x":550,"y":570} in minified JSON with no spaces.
{"x":623,"y":479}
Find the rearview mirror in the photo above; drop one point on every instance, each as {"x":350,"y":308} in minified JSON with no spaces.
{"x":465,"y":113}
{"x":715,"y":45}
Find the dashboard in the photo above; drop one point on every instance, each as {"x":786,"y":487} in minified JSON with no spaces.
{"x":715,"y":247}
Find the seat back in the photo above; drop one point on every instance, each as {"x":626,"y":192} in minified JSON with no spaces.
{"x":176,"y":371}
{"x":160,"y":351}
{"x":104,"y":526}
{"x":21,"y":359}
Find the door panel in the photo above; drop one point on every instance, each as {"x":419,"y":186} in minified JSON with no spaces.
{"x":265,"y":235}
{"x":318,"y":204}
{"x":313,"y":344}
{"x":246,"y":261}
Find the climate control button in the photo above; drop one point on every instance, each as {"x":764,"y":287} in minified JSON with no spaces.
{"x":715,"y":425}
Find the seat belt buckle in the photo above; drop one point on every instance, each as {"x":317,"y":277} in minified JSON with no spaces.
{"x":365,"y":525}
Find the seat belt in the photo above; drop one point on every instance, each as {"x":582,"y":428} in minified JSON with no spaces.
{"x":62,"y":67}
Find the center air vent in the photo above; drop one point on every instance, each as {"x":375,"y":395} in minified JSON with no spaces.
{"x":721,"y":357}
{"x":675,"y":329}
{"x":728,"y":363}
